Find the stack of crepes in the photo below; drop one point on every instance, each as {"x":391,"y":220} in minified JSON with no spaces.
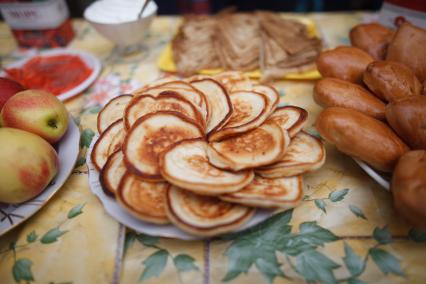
{"x":244,"y":42}
{"x":204,"y":152}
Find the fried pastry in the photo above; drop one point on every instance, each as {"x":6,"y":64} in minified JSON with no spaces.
{"x":109,"y":142}
{"x":112,"y":112}
{"x":284,"y":193}
{"x":144,"y":200}
{"x":305,"y":153}
{"x":168,"y":100}
{"x":152,"y":134}
{"x":218,"y":102}
{"x":185,"y":164}
{"x":259,"y":147}
{"x":112,"y":172}
{"x":249,"y":111}
{"x":290,"y":118}
{"x":204,"y":216}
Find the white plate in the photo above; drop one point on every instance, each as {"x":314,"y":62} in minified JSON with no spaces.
{"x":68,"y":148}
{"x":91,"y":61}
{"x":379,"y":177}
{"x":169,"y":231}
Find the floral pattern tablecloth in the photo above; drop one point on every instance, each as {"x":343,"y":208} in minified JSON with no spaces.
{"x":345,"y":230}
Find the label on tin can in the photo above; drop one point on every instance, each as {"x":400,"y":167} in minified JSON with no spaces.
{"x":35,"y":15}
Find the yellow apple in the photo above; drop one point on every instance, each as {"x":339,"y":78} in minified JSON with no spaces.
{"x":38,"y":112}
{"x":27,"y":165}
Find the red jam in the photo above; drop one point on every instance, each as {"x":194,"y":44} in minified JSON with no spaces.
{"x":56,"y":74}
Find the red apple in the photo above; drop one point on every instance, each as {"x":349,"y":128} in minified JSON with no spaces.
{"x":38,"y":112}
{"x":27,"y":165}
{"x":8,"y":88}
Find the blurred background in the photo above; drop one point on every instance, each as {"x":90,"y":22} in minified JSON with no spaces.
{"x":167,"y":7}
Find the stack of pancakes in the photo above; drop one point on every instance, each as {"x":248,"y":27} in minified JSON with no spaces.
{"x":204,"y":152}
{"x":245,"y":42}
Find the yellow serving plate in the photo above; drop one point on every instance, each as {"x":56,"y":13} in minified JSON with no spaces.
{"x":166,"y":63}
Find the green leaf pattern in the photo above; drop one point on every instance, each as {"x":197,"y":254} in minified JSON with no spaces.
{"x":386,"y":261}
{"x":355,"y":281}
{"x":80,"y":161}
{"x":357,"y":212}
{"x":184,"y":262}
{"x":22,"y":270}
{"x":52,"y":236}
{"x":257,"y":247}
{"x":338,"y":195}
{"x":320,"y":204}
{"x":417,"y":235}
{"x":75,"y":211}
{"x":86,"y":137}
{"x":353,"y":262}
{"x":147,"y":240}
{"x":315,"y":266}
{"x":382,"y":235}
{"x":32,"y":237}
{"x":157,"y":261}
{"x":154,"y":265}
{"x":334,"y":196}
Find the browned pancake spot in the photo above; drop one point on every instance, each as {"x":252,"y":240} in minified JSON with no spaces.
{"x":157,"y":140}
{"x":167,"y":105}
{"x":294,"y":152}
{"x":115,"y":144}
{"x":147,"y":199}
{"x":256,"y":141}
{"x":242,"y":110}
{"x":267,"y":187}
{"x":201,"y":165}
{"x":280,"y":120}
{"x":205,"y":206}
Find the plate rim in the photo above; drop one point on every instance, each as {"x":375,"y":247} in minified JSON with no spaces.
{"x":56,"y":186}
{"x":373,"y":174}
{"x":85,"y":56}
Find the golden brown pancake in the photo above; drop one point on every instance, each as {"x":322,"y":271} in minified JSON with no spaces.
{"x":109,"y":142}
{"x":271,"y":95}
{"x":177,"y":84}
{"x":284,"y":193}
{"x":305,"y":153}
{"x":185,"y":164}
{"x":204,"y":215}
{"x":112,"y":112}
{"x":184,"y":89}
{"x":218,"y":102}
{"x":111,"y":174}
{"x":290,"y":118}
{"x":172,"y":101}
{"x":249,"y":111}
{"x":144,"y":200}
{"x":259,"y":147}
{"x":234,"y":80}
{"x":152,"y":134}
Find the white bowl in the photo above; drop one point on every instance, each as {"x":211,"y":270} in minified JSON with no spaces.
{"x":126,"y":34}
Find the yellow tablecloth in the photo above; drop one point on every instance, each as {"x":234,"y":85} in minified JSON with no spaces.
{"x":345,"y":231}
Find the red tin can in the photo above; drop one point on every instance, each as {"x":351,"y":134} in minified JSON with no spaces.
{"x":41,"y":24}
